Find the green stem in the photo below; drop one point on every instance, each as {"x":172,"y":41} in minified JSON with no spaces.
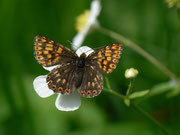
{"x":107,"y":83}
{"x":122,"y":97}
{"x":139,"y":50}
{"x":129,"y":88}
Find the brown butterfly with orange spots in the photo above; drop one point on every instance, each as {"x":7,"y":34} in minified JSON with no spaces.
{"x":73,"y":71}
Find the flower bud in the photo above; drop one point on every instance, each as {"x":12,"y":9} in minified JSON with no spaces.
{"x":131,"y":73}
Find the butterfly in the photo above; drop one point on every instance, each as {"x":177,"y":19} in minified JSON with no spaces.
{"x":73,"y":71}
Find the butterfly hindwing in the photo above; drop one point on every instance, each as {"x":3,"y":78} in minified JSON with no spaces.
{"x":92,"y":83}
{"x":106,"y":58}
{"x":49,"y":53}
{"x":60,"y":79}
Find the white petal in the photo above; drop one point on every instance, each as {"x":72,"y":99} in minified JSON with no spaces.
{"x":78,"y":40}
{"x":41,"y":86}
{"x":50,"y":68}
{"x":84,"y":49}
{"x":94,"y":11}
{"x":68,"y":102}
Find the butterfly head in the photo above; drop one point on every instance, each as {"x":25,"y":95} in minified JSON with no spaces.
{"x":83,"y":55}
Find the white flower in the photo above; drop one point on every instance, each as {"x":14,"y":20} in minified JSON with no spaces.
{"x":131,"y":73}
{"x":69,"y":102}
{"x":84,"y":23}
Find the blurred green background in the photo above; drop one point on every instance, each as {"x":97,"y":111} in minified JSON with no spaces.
{"x":150,"y":23}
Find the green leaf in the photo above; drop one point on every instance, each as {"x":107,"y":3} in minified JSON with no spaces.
{"x":162,"y":88}
{"x":138,"y":94}
{"x":173,"y":93}
{"x":127,"y":102}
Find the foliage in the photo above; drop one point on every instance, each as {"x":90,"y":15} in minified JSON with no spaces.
{"x":152,"y":25}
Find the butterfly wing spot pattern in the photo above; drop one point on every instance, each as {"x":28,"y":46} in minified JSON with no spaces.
{"x":61,"y":77}
{"x":107,"y":57}
{"x":44,"y":51}
{"x":92,"y":83}
{"x":65,"y":78}
{"x":49,"y":53}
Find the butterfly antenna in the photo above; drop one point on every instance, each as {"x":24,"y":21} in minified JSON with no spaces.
{"x":99,"y":47}
{"x":69,"y":42}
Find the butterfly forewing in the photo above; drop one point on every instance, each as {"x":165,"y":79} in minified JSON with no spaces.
{"x":106,"y":58}
{"x":92,"y":83}
{"x":49,"y":53}
{"x":61,"y":79}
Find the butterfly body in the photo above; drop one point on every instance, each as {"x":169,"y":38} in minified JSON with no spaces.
{"x":81,"y":61}
{"x":73,"y":71}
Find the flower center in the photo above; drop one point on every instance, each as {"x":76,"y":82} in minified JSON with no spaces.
{"x":81,"y":20}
